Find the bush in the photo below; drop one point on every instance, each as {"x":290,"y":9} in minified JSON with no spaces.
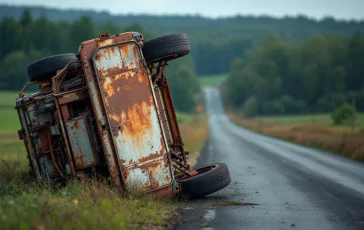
{"x":292,"y":106}
{"x":330,"y":102}
{"x":273,"y":108}
{"x":342,"y":113}
{"x":251,"y":107}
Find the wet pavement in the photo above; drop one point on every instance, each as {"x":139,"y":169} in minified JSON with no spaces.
{"x":294,"y":187}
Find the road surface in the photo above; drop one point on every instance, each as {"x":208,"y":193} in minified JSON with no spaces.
{"x":295,"y":187}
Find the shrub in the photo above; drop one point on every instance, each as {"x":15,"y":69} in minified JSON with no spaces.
{"x":251,"y":107}
{"x":342,"y":113}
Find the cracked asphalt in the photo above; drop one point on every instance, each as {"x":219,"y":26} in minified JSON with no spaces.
{"x":294,"y":187}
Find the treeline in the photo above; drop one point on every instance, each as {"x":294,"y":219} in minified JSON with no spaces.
{"x":215,"y":42}
{"x":27,"y":39}
{"x":318,"y":75}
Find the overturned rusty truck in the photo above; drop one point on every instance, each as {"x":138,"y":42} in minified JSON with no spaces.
{"x":108,"y":111}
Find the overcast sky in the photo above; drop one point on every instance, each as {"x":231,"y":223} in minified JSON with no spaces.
{"x":343,"y":9}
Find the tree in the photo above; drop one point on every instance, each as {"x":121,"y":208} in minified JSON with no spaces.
{"x":184,"y":84}
{"x":343,"y":113}
{"x":81,"y":30}
{"x":251,"y":107}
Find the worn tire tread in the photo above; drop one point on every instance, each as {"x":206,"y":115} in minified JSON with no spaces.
{"x":167,"y":47}
{"x":206,"y":183}
{"x":45,"y":68}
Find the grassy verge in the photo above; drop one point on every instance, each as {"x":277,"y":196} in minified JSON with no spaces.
{"x":310,"y":131}
{"x":25,"y":204}
{"x":194,"y":131}
{"x":212,"y":80}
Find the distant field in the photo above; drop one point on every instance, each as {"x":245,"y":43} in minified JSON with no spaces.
{"x":319,"y":119}
{"x":311,"y":130}
{"x":212,"y":80}
{"x":8,"y":115}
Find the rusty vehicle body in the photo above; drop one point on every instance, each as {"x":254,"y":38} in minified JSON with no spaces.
{"x":109,"y":112}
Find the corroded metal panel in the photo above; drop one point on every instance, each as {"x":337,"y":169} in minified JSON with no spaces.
{"x":133,"y":116}
{"x":80,"y":142}
{"x":28,"y":144}
{"x":87,"y":50}
{"x":47,"y":166}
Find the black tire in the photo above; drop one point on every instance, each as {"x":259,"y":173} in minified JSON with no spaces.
{"x":44,"y":69}
{"x":211,"y":178}
{"x":167,"y":47}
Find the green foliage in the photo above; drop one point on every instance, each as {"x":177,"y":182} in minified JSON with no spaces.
{"x":251,"y":107}
{"x":212,"y":49}
{"x":184,"y":84}
{"x":28,"y":39}
{"x":273,"y":107}
{"x":212,"y":80}
{"x":343,"y":113}
{"x":317,"y":75}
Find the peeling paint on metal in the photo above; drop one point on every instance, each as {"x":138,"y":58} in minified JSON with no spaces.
{"x":80,"y":143}
{"x":108,"y":152}
{"x":108,"y":61}
{"x":138,"y":179}
{"x":105,"y":42}
{"x":132,"y":112}
{"x":96,"y":102}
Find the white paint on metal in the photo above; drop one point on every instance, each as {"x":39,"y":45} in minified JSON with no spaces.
{"x":132,"y":147}
{"x":139,"y":139}
{"x":111,"y":59}
{"x":96,"y":102}
{"x":138,"y":180}
{"x":130,"y":58}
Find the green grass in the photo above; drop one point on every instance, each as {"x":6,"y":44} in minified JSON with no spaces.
{"x":25,"y":204}
{"x":212,"y":80}
{"x":324,"y":119}
{"x":9,"y":117}
{"x":8,"y":98}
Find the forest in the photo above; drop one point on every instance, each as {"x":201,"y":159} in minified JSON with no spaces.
{"x":215,"y":43}
{"x":315,"y":76}
{"x":27,"y":39}
{"x":276,"y":65}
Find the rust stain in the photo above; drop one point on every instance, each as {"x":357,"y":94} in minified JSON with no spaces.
{"x":105,"y":42}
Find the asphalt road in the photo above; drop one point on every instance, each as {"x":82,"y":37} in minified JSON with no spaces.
{"x":294,"y":187}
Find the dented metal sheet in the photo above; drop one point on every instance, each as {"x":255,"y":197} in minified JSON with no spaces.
{"x":132,"y":113}
{"x":80,"y":142}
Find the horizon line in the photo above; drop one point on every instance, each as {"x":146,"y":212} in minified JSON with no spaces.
{"x":201,"y":15}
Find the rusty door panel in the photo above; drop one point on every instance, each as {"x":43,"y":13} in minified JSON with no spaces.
{"x":81,"y":145}
{"x":133,"y":116}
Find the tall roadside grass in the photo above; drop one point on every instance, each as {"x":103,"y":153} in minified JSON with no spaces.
{"x":91,"y":204}
{"x":87,"y":204}
{"x":338,"y":139}
{"x":194,"y":131}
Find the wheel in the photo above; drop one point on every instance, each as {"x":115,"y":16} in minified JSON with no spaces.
{"x":167,"y":47}
{"x":210,"y":179}
{"x":44,"y":69}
